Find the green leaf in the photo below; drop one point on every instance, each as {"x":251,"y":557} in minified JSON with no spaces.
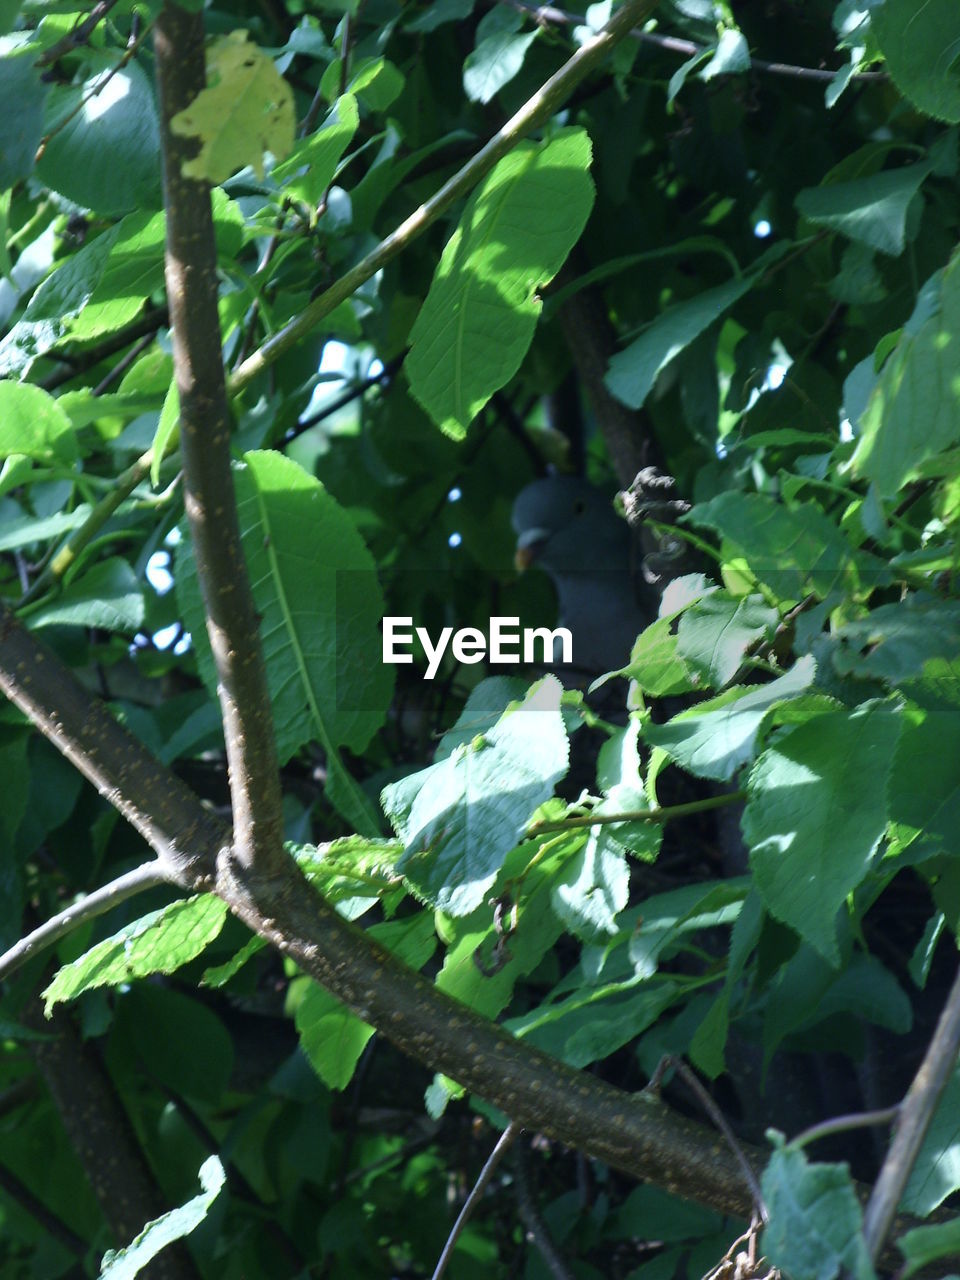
{"x":106,"y":156}
{"x":439,"y":12}
{"x":168,"y":429}
{"x":21,"y":533}
{"x":481,"y":311}
{"x":33,"y":424}
{"x":351,"y":873}
{"x":913,"y":410}
{"x":815,"y":1228}
{"x":924,"y":785}
{"x":731,"y":54}
{"x":21,"y":109}
{"x":109,"y":596}
{"x":471,"y":938}
{"x":793,"y":550}
{"x":807,"y":990}
{"x":593,"y":888}
{"x":498,"y":55}
{"x":871,"y":210}
{"x":377,"y":82}
{"x":246,"y":109}
{"x":309,"y":171}
{"x":715,"y":633}
{"x":158,"y":942}
{"x":894,"y":641}
{"x":105,"y":283}
{"x":633,"y":371}
{"x":815,"y":815}
{"x":921,"y":44}
{"x":460,"y":817}
{"x":124,"y":1264}
{"x":331,"y":1036}
{"x":595,"y":1021}
{"x":316,"y":588}
{"x":716,"y":738}
{"x":924,"y":1245}
{"x":655,"y":664}
{"x":667,"y":917}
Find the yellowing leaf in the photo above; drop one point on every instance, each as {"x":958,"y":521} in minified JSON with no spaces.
{"x":246,"y":109}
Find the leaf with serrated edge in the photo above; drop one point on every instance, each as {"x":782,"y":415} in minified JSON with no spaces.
{"x":159,"y":942}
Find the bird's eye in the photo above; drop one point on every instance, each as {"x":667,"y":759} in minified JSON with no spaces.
{"x":579,"y":507}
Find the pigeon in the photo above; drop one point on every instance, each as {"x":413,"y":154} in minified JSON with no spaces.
{"x":568,"y":528}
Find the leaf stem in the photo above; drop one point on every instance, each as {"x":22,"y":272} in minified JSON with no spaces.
{"x":662,"y":814}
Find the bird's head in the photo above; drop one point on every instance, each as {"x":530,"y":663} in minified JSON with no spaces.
{"x":566,"y":525}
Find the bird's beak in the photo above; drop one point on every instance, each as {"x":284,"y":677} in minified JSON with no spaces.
{"x":529,"y":545}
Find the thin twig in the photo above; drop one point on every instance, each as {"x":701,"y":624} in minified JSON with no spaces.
{"x":504,"y":1142}
{"x":535,"y":111}
{"x":347,"y":397}
{"x":149,"y":323}
{"x":536,"y":1228}
{"x":78,"y":35}
{"x":916,"y":1112}
{"x":843,"y":1124}
{"x":146,"y":876}
{"x":718,"y":1118}
{"x":664,"y":814}
{"x":545,"y":13}
{"x":122,"y":365}
{"x":127,"y":481}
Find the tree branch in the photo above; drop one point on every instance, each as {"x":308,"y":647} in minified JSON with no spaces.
{"x":535,"y":111}
{"x":546,"y":13}
{"x":185,"y":837}
{"x":232,"y":621}
{"x":89,"y":907}
{"x":101,"y":1134}
{"x":78,"y":36}
{"x":915,"y":1113}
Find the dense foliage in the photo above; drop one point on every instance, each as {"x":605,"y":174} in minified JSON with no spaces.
{"x":717,"y":256}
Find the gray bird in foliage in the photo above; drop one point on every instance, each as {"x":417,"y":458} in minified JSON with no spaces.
{"x":569,"y":528}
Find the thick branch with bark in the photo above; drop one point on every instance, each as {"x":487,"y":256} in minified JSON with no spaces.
{"x":232,"y":621}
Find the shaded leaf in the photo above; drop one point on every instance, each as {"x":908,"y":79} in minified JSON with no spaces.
{"x":633,"y":371}
{"x":793,"y":550}
{"x":925,"y":782}
{"x":498,"y":55}
{"x":108,"y":596}
{"x":913,"y":410}
{"x":921,"y":45}
{"x":22,"y":97}
{"x":815,"y":1229}
{"x":716,"y":738}
{"x":815,"y":815}
{"x":107,"y":155}
{"x":871,"y":210}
